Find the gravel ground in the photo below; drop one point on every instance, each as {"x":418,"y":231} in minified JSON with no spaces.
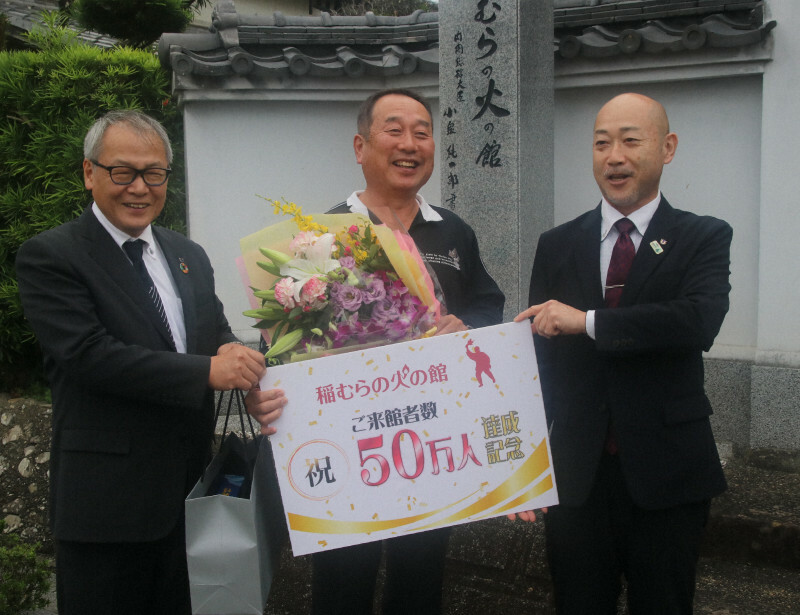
{"x":751,"y":562}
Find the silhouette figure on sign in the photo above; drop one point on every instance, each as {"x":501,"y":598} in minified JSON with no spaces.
{"x":483,"y":364}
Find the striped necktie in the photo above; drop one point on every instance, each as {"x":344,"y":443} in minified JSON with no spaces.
{"x":134,"y":251}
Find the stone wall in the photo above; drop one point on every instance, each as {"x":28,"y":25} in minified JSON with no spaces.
{"x":24,"y":468}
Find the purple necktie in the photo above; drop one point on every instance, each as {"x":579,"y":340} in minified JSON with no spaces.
{"x":621,"y":260}
{"x":618,"y":268}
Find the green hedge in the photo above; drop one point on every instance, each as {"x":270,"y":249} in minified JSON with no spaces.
{"x":48,"y":100}
{"x":24,"y":576}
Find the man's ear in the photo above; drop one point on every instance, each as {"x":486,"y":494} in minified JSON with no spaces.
{"x":670,"y":147}
{"x":88,"y":174}
{"x":358,"y":146}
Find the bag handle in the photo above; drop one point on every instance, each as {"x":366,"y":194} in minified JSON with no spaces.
{"x":238,"y":396}
{"x":247,"y":447}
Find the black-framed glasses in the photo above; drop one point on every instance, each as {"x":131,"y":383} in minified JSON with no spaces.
{"x":124,"y":176}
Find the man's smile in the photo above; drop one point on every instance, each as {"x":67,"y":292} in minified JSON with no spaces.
{"x":617,"y":177}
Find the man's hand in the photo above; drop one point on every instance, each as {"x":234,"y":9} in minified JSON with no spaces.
{"x":236,"y":367}
{"x":554,"y":318}
{"x":449,"y":324}
{"x":265,"y":407}
{"x":525,"y":515}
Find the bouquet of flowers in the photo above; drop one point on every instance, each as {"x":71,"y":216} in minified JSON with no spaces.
{"x":348,"y":283}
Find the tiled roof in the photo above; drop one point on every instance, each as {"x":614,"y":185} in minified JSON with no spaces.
{"x":385,"y":46}
{"x":317,"y":46}
{"x":24,"y":15}
{"x":325,"y":45}
{"x":598,"y":30}
{"x":571,"y":13}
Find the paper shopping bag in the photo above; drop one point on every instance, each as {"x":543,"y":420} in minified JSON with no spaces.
{"x":233,"y":543}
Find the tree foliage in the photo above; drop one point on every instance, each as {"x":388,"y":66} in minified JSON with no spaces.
{"x":3,"y":31}
{"x":138,"y":23}
{"x":395,"y":8}
{"x":48,"y":100}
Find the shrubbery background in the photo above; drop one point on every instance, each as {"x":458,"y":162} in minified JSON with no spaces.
{"x":24,"y":576}
{"x":48,"y":100}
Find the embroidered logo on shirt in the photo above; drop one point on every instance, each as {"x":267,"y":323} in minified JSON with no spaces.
{"x":450,"y":260}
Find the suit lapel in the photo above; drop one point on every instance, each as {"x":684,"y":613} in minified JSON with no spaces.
{"x":182,"y":274}
{"x":102,"y":248}
{"x":654,"y":250}
{"x":587,"y":258}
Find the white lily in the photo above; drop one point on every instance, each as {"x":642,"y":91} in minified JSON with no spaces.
{"x":317,"y":261}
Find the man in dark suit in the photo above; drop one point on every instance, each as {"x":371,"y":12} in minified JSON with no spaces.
{"x":623,"y":313}
{"x":134,"y":346}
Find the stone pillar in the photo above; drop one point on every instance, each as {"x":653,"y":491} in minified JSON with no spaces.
{"x":496,"y":145}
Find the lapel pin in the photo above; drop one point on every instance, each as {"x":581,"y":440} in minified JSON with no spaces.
{"x":183,"y":267}
{"x":656,"y":247}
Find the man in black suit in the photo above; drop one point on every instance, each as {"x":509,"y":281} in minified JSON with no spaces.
{"x":134,"y":346}
{"x":619,"y":347}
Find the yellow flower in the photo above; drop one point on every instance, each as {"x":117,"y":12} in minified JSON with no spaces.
{"x":304,"y":223}
{"x":360,"y":255}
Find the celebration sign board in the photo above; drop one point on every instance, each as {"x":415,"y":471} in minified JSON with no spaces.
{"x":409,"y":437}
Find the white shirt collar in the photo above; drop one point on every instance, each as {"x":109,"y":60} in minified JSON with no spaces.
{"x":117,"y":235}
{"x":357,"y":207}
{"x":641,"y":217}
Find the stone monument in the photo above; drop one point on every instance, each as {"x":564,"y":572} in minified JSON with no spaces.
{"x":496,"y":145}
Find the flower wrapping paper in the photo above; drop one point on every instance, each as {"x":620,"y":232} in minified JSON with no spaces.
{"x":311,"y":281}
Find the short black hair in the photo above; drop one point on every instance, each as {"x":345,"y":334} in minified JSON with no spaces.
{"x":365,"y":112}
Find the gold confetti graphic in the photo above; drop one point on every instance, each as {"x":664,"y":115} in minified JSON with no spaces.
{"x":533,"y":468}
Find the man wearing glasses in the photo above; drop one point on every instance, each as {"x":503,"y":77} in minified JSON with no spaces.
{"x":135,"y":342}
